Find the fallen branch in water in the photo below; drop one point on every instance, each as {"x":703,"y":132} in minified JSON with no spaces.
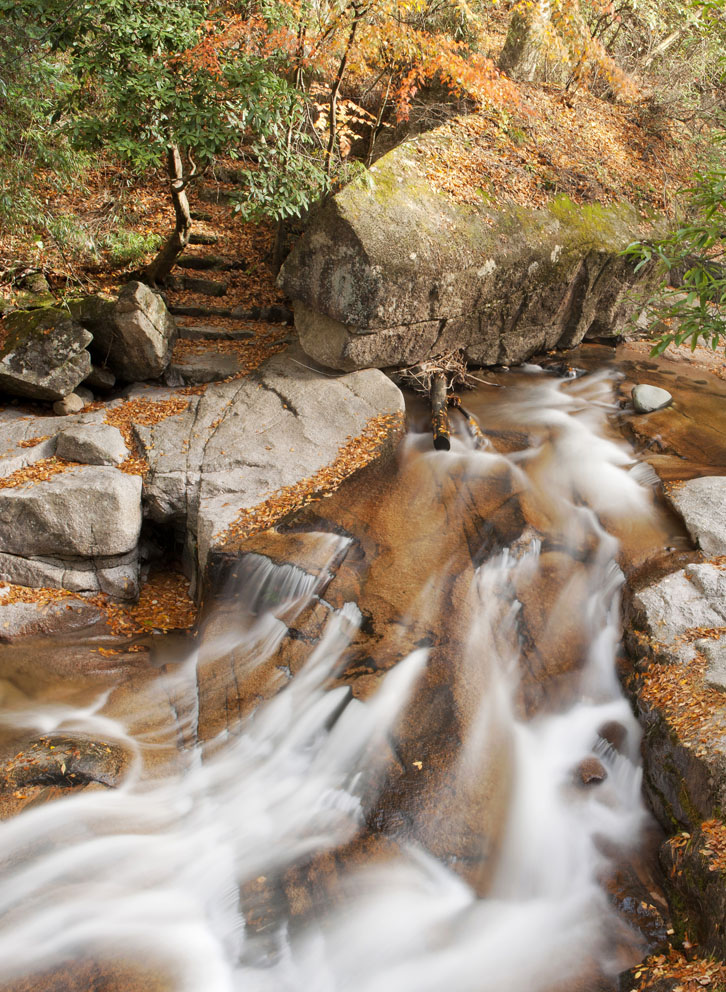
{"x":472,"y":424}
{"x":452,"y":366}
{"x":439,"y":413}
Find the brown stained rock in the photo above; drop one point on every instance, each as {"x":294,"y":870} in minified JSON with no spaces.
{"x":64,"y":761}
{"x":97,"y":975}
{"x":552,"y":621}
{"x":590,"y":771}
{"x":21,"y":620}
{"x":614,"y":733}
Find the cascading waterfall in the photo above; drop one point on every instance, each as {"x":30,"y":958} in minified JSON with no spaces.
{"x":157,"y":869}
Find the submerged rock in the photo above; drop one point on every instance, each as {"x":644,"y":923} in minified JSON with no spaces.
{"x":590,"y":771}
{"x":648,"y":399}
{"x":44,"y":356}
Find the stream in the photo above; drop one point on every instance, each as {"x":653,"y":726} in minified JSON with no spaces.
{"x":397,"y":756}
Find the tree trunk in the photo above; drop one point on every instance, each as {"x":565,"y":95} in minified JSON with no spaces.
{"x":333,"y":118}
{"x":157,"y":270}
{"x":524,"y":56}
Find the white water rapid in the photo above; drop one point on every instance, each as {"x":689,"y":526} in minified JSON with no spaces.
{"x":159,"y":871}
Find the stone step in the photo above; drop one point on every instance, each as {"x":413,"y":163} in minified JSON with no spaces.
{"x":210,"y":332}
{"x":199,"y":238}
{"x":204,"y":262}
{"x":273,"y":315}
{"x":194,"y":310}
{"x":195,"y":370}
{"x":203,"y":215}
{"x":213,"y":194}
{"x":207,"y":287}
{"x":276,"y":314}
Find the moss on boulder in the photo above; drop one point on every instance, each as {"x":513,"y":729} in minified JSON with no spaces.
{"x":390,"y":252}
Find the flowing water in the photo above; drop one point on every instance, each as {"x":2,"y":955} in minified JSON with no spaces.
{"x":367,"y":773}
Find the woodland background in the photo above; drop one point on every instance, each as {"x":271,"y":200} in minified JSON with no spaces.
{"x":115,"y":114}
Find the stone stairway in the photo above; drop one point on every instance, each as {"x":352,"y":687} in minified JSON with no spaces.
{"x":215,"y":339}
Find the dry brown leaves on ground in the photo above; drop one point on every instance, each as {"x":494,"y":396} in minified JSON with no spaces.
{"x":32,"y":442}
{"x":712,"y":841}
{"x":39,"y":471}
{"x":354,"y":455}
{"x":714,"y":834}
{"x":10,"y":593}
{"x":146,"y":413}
{"x":164,"y":604}
{"x":695,"y":711}
{"x":689,"y":976}
{"x":586,"y":148}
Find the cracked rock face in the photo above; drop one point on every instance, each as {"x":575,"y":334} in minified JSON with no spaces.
{"x":500,"y":283}
{"x":243,"y":440}
{"x":230,"y":450}
{"x":86,"y":512}
{"x":694,"y":597}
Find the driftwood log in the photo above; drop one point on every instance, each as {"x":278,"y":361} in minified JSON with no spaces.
{"x":472,"y":424}
{"x":440,"y":413}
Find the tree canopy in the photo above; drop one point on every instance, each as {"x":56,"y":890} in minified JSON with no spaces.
{"x":302,"y":93}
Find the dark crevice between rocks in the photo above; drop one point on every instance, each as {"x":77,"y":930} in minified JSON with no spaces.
{"x":286,"y":402}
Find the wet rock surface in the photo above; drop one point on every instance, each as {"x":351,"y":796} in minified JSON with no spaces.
{"x":370,"y":543}
{"x":648,"y":399}
{"x":675,"y":629}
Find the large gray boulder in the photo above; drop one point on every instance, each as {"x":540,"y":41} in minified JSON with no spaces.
{"x":393,"y":271}
{"x":65,"y":561}
{"x":44,"y":356}
{"x":243,"y":442}
{"x":702,"y":504}
{"x":87,"y":511}
{"x":691,"y":599}
{"x":133,"y":335}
